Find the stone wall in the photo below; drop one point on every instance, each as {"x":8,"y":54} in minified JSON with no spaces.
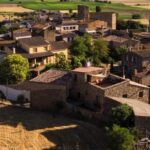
{"x":125,"y":89}
{"x":46,"y":99}
{"x":108,"y":17}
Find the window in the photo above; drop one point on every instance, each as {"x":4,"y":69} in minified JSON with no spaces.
{"x":141,"y":94}
{"x":98,"y":101}
{"x":125,"y":95}
{"x":35,"y":50}
{"x":78,"y":95}
{"x":132,"y":59}
{"x":75,"y":77}
{"x":45,"y":48}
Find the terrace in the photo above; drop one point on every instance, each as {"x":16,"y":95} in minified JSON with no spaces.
{"x":105,"y":81}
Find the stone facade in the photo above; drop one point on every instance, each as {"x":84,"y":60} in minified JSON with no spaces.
{"x":92,"y":94}
{"x":83,"y":12}
{"x":109,"y":17}
{"x":92,"y":26}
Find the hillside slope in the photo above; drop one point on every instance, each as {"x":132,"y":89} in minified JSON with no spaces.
{"x":29,"y":130}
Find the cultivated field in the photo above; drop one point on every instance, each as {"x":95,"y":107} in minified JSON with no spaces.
{"x":13,"y":8}
{"x":125,"y":11}
{"x":22,"y":129}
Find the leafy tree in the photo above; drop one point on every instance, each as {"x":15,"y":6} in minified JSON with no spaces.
{"x":61,"y":62}
{"x":120,"y":138}
{"x":122,"y":115}
{"x":14,"y":69}
{"x":78,"y":47}
{"x":116,"y":53}
{"x":76,"y":62}
{"x":122,"y":25}
{"x":3,"y":30}
{"x":100,"y":51}
{"x":98,"y":9}
{"x":136,"y":16}
{"x":88,"y":41}
{"x":86,"y":49}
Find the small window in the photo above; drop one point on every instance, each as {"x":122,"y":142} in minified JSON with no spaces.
{"x":141,"y":94}
{"x":125,"y":95}
{"x":86,"y":92}
{"x":132,"y":59}
{"x":35,"y":50}
{"x":75,"y":77}
{"x":78,"y":95}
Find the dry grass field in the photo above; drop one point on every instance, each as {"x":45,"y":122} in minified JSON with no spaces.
{"x":13,"y":8}
{"x":22,"y":129}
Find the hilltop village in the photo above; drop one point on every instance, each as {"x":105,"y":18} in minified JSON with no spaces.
{"x":81,"y":62}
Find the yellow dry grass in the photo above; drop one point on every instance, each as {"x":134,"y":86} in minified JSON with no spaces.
{"x":14,"y":9}
{"x":22,"y":129}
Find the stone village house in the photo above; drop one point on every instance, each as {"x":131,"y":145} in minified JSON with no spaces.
{"x":85,"y":86}
{"x":38,"y":51}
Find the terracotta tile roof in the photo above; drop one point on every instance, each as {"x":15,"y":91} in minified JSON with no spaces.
{"x":60,"y":45}
{"x":19,"y":34}
{"x":41,"y":26}
{"x":140,"y":108}
{"x":142,"y":74}
{"x":27,"y":55}
{"x":53,"y":76}
{"x":34,"y":41}
{"x":143,"y":53}
{"x":87,"y":69}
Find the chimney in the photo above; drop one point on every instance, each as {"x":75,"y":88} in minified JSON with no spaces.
{"x":88,"y":64}
{"x":14,"y":50}
{"x":135,"y":71}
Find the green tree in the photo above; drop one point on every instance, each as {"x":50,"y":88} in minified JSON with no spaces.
{"x":122,"y":115}
{"x":120,"y":138}
{"x":78,"y":47}
{"x":61,"y":62}
{"x":14,"y":69}
{"x":136,"y":16}
{"x":76,"y":62}
{"x":3,"y":30}
{"x":98,"y":9}
{"x":100,"y":51}
{"x":117,"y":52}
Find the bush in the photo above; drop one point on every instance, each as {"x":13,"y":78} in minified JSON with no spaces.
{"x":120,"y":138}
{"x":122,"y":115}
{"x":60,"y":105}
{"x":136,"y":16}
{"x":21,"y":99}
{"x":2,"y":96}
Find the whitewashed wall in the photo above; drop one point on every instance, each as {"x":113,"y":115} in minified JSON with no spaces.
{"x":12,"y":94}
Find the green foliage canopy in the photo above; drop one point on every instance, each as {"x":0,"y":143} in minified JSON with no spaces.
{"x":14,"y":69}
{"x":120,"y":138}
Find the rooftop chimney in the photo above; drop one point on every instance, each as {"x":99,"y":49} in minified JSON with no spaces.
{"x":14,"y":50}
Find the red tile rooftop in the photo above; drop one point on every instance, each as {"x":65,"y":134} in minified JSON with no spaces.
{"x":87,"y":69}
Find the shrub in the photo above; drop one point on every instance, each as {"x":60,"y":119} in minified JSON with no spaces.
{"x":2,"y":96}
{"x":120,"y":138}
{"x":122,"y":115}
{"x":60,"y":105}
{"x":136,"y":16}
{"x":21,"y":99}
